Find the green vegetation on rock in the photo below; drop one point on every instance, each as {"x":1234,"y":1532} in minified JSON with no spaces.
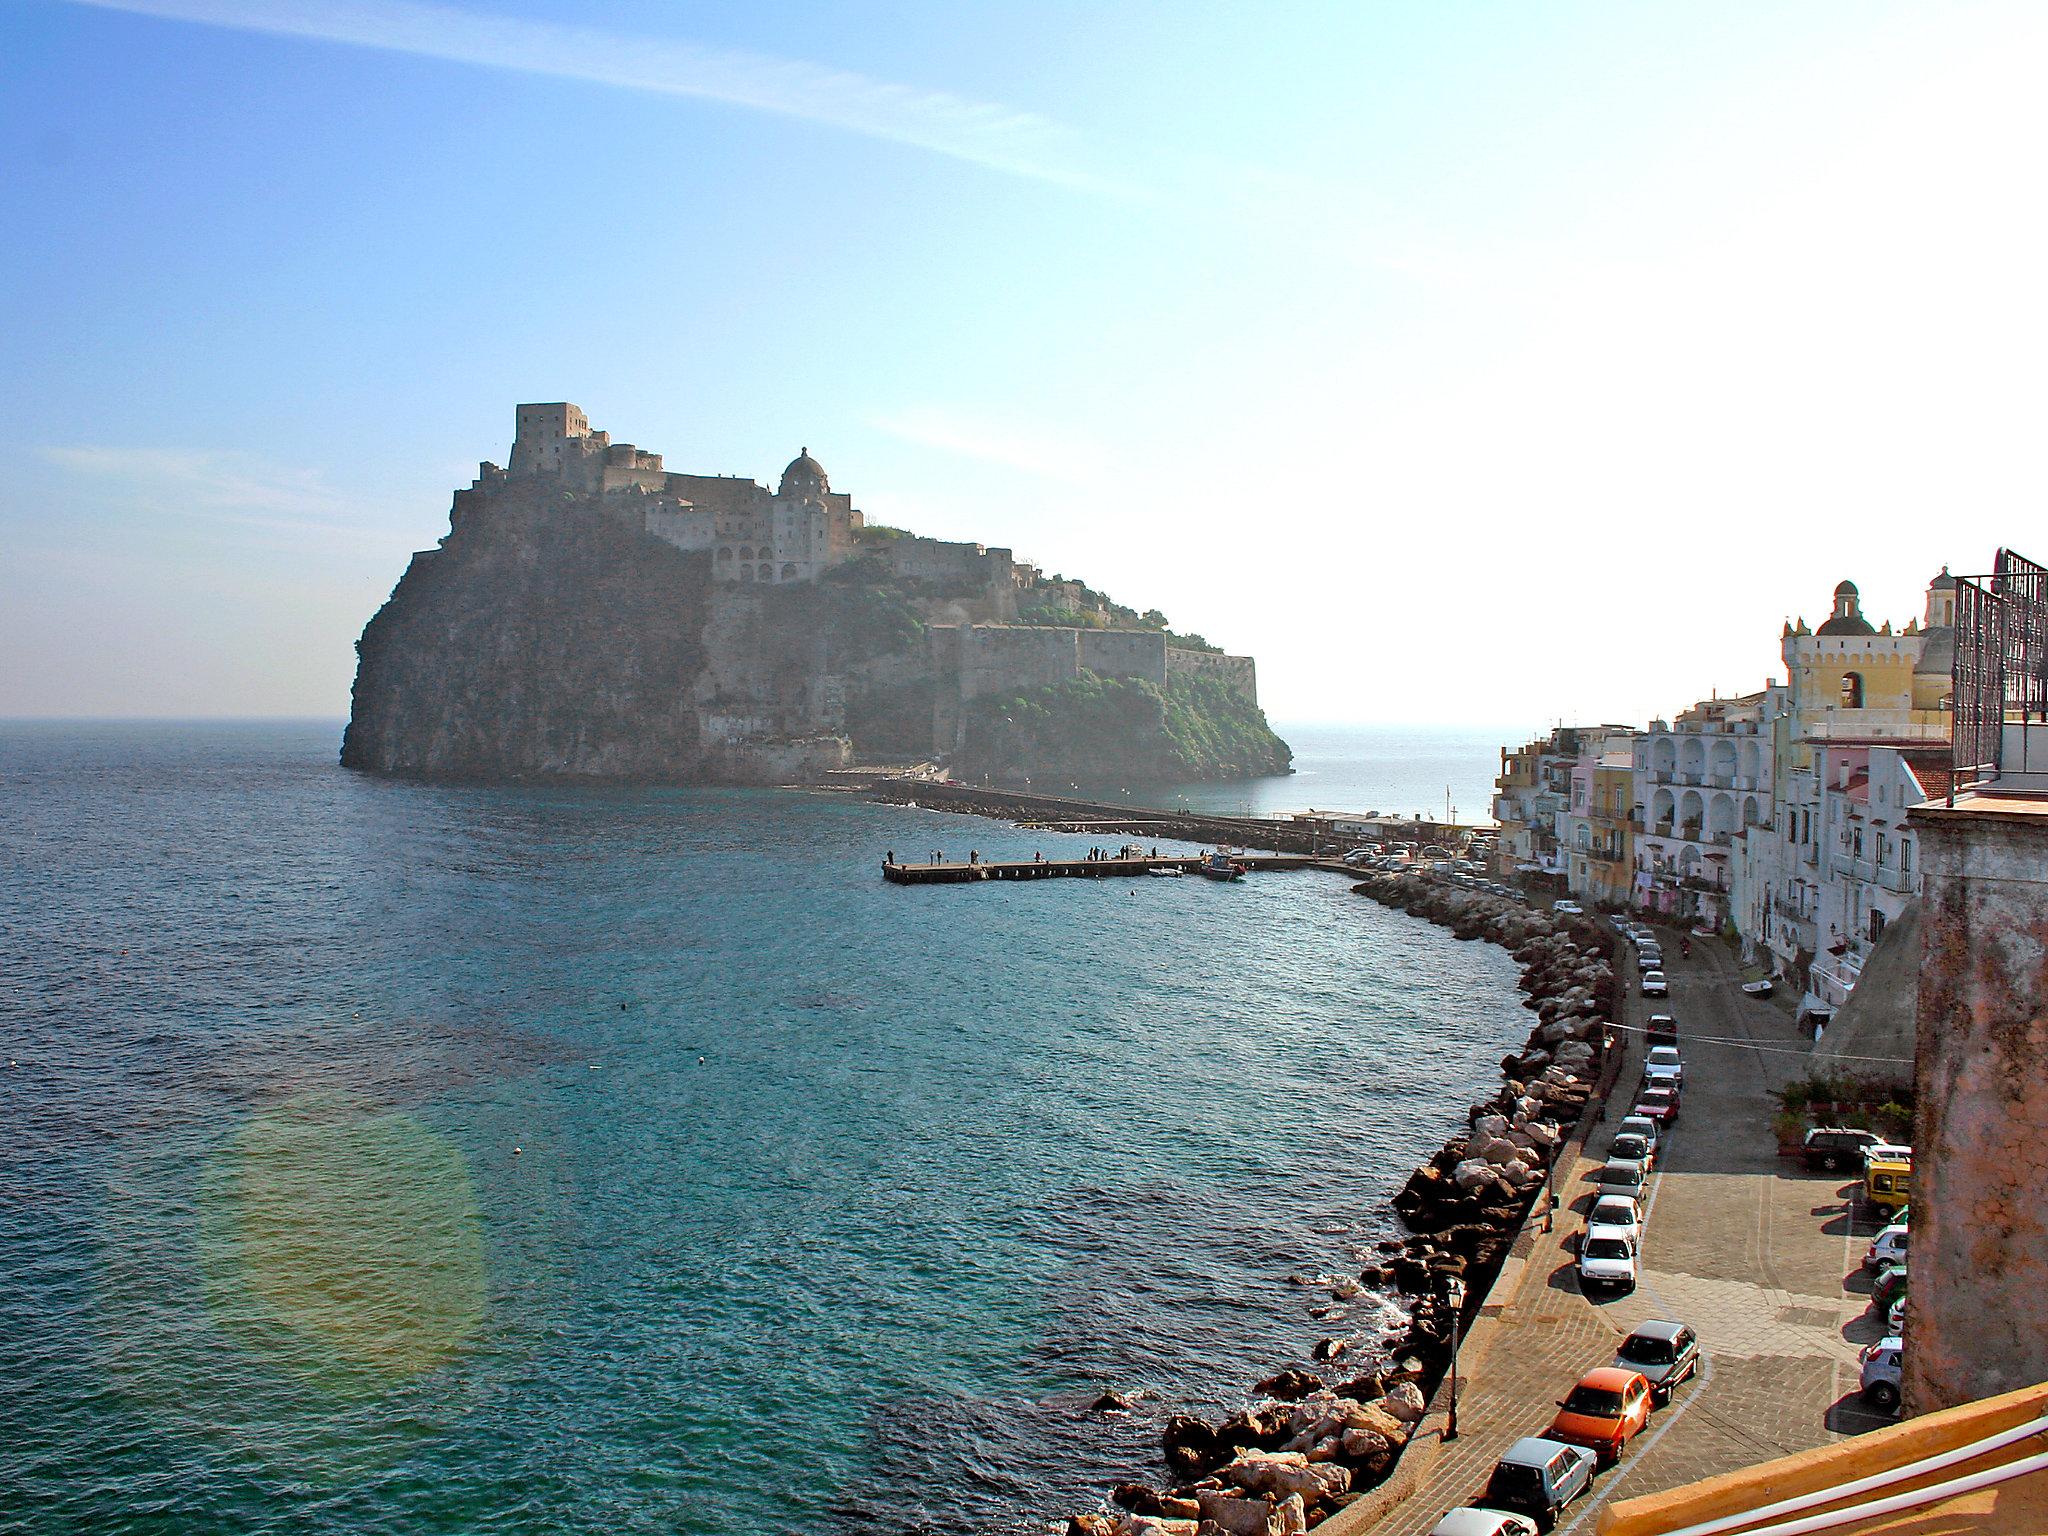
{"x":1094,"y":727}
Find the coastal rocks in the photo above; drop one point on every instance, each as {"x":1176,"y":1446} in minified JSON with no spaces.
{"x":1289,"y":1386}
{"x":1284,"y":1474}
{"x":1113,"y":1402}
{"x":1307,"y":1448}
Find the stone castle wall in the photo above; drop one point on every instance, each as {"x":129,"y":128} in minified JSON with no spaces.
{"x":1238,"y":671}
{"x":970,"y":661}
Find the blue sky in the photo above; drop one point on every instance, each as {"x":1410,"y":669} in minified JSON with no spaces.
{"x":1486,"y":362}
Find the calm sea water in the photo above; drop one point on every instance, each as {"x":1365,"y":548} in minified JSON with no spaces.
{"x":1394,"y":770}
{"x":385,"y":1158}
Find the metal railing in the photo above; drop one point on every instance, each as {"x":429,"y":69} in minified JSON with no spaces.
{"x":2000,"y":672}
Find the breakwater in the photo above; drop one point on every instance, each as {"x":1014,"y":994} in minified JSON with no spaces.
{"x":1310,"y":1444}
{"x":1104,"y":818}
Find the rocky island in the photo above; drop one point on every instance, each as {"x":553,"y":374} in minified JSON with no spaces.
{"x":592,"y":615}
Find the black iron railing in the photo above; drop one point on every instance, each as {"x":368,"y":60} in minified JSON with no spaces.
{"x":2000,"y":672}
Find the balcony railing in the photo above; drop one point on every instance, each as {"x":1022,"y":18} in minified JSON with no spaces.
{"x":1999,"y":679}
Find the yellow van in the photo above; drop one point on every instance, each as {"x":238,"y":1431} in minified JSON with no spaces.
{"x":1887,"y":1183}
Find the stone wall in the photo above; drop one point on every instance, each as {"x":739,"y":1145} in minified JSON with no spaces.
{"x":971,"y":660}
{"x":1125,"y":653}
{"x":1238,"y":671}
{"x":1977,"y":1319}
{"x":946,"y":563}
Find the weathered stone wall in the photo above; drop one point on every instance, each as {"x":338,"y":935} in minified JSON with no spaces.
{"x":1238,"y":671}
{"x":1977,"y":1318}
{"x":972,"y":660}
{"x":1125,"y":653}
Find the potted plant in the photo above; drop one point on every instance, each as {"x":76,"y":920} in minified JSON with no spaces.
{"x":1790,"y":1130}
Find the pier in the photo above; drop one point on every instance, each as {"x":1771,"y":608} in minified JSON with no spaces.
{"x":960,"y":872}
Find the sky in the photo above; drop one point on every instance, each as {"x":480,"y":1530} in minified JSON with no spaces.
{"x":1475,"y":363}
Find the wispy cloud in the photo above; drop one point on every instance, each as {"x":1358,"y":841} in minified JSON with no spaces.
{"x":983,"y":133}
{"x":237,"y":488}
{"x":1036,"y":450}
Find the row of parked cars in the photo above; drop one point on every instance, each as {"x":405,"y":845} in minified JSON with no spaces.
{"x":1541,"y":1474}
{"x":1887,"y":1189}
{"x":1649,"y":956}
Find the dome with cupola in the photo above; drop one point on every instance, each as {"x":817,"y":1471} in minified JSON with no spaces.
{"x":805,"y":475}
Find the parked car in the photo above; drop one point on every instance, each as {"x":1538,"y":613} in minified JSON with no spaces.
{"x":1483,"y":1522}
{"x":1895,"y":1318}
{"x":1654,"y":984}
{"x":1358,"y":856}
{"x":1649,"y":954}
{"x":1762,"y":987}
{"x":1888,"y":1287}
{"x":1633,"y":1145}
{"x":1662,"y":1030}
{"x":1887,"y":1152}
{"x":1609,"y":1407}
{"x":1619,"y":1212}
{"x":1567,"y":908}
{"x":1887,"y":1185}
{"x":1539,"y":1477}
{"x":1607,"y":1260}
{"x":1660,"y":1104}
{"x":1833,"y":1147}
{"x":1663,"y":1067}
{"x":1665,"y":1353}
{"x":1623,"y":1176}
{"x":1888,"y":1247}
{"x":1881,"y":1372}
{"x":1641,"y":1125}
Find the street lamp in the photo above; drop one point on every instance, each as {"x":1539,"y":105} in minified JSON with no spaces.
{"x":1454,"y":1293}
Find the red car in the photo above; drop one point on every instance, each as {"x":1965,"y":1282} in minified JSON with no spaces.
{"x":1660,"y":1104}
{"x":1605,"y":1410}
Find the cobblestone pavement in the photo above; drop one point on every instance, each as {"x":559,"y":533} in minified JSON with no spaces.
{"x":1758,"y":1255}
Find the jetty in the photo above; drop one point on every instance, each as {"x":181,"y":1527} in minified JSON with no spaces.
{"x":960,"y":872}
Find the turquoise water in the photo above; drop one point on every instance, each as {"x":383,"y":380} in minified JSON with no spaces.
{"x":383,"y":1157}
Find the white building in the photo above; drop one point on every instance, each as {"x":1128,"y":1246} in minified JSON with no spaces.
{"x":1702,"y":783}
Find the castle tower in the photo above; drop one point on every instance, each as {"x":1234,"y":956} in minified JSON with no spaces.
{"x":540,"y":434}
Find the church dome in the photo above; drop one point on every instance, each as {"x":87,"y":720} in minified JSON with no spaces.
{"x":1847,"y":619}
{"x":804,"y":474}
{"x":1942,"y":583}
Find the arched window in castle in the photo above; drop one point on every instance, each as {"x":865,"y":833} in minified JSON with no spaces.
{"x":767,"y":573}
{"x":725,"y":554}
{"x":746,"y":573}
{"x":1852,"y":690}
{"x":789,"y":572}
{"x":746,"y":553}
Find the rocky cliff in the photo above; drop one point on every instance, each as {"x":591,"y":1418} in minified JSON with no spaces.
{"x":552,"y":636}
{"x":550,"y":640}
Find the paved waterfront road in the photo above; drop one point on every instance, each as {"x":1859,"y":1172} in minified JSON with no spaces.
{"x":1747,"y":1247}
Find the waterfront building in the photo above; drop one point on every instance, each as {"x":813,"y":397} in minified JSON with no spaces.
{"x":1701,"y":783}
{"x":1534,"y":803}
{"x":1596,"y":827}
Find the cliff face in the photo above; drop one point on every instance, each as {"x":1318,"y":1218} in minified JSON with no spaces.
{"x":549,"y":641}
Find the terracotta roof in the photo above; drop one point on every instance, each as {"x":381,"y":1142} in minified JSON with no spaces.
{"x":1934,"y":772}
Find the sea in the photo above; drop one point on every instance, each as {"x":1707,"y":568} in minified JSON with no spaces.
{"x":388,"y":1157}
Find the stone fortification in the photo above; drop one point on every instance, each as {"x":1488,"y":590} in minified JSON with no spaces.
{"x":973,"y":661}
{"x":1240,"y":672}
{"x":594,"y":614}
